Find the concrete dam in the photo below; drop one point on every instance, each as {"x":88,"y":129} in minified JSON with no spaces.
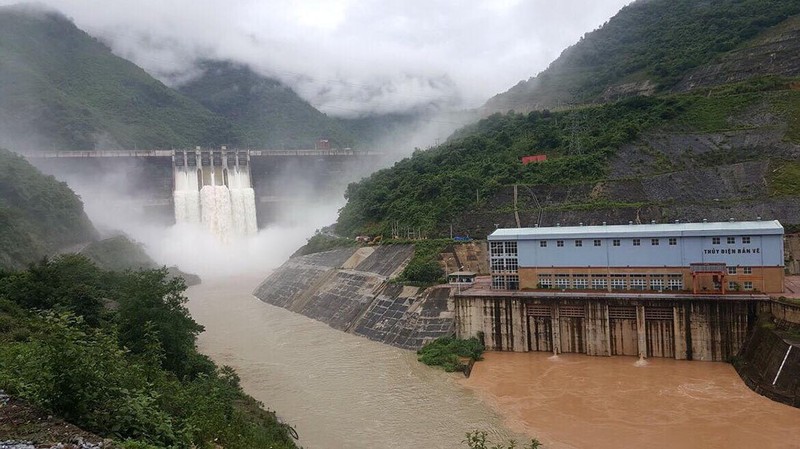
{"x":170,"y":186}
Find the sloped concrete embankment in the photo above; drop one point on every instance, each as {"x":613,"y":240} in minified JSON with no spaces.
{"x":349,"y":290}
{"x":770,"y":366}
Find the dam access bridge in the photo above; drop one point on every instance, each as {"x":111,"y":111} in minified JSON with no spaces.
{"x":146,"y":179}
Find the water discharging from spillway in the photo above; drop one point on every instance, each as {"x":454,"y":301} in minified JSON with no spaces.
{"x":346,"y":392}
{"x":222,"y":199}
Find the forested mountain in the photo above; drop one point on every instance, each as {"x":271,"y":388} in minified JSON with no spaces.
{"x":717,"y":136}
{"x":647,"y":48}
{"x":62,"y":89}
{"x":38,"y":215}
{"x":265,"y":113}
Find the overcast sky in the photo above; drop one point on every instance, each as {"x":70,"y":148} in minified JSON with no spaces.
{"x":350,"y":57}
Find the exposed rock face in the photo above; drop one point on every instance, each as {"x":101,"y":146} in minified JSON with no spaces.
{"x":775,"y":53}
{"x":619,"y":91}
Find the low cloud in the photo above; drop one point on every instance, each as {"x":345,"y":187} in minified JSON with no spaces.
{"x":348,"y":57}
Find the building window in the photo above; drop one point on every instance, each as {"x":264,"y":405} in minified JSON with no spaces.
{"x":654,"y":242}
{"x":511,"y":249}
{"x":543,"y":244}
{"x":545,"y":281}
{"x":497,"y":265}
{"x":715,"y":240}
{"x":637,"y":242}
{"x":512,"y":282}
{"x":505,"y":282}
{"x":618,"y":281}
{"x":578,"y":242}
{"x":559,"y":243}
{"x":599,"y":283}
{"x":731,"y":285}
{"x":638,"y":282}
{"x":673,"y":241}
{"x":615,"y":242}
{"x":748,"y":285}
{"x":512,"y":265}
{"x":597,"y":243}
{"x":747,"y":270}
{"x":675,"y":282}
{"x":731,"y":270}
{"x":746,"y":240}
{"x":562,"y":281}
{"x":731,"y":240}
{"x":498,"y":282}
{"x":496,"y":248}
{"x":656,"y":283}
{"x":581,"y":282}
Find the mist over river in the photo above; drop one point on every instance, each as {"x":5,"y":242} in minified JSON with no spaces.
{"x":346,"y":392}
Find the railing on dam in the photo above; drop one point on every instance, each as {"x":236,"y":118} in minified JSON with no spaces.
{"x":169,"y":153}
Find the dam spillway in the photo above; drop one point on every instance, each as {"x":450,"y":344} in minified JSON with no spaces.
{"x":144,"y":182}
{"x":214,"y":188}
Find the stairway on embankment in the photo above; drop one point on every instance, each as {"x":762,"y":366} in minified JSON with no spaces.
{"x":350,"y":290}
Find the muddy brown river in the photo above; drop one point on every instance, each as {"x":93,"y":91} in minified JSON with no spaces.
{"x":343,"y":391}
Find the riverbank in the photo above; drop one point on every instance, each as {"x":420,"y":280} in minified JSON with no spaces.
{"x":578,"y":401}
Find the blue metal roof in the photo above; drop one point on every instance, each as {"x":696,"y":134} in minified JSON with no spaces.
{"x":724,"y":228}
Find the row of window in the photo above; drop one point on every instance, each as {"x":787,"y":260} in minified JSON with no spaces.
{"x":499,"y":249}
{"x":672,"y":241}
{"x":617,"y":282}
{"x":729,"y":240}
{"x":507,"y":282}
{"x":745,"y":270}
{"x":509,"y":265}
{"x":747,"y":285}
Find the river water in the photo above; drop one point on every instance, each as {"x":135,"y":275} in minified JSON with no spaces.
{"x":339,"y":391}
{"x":343,"y":391}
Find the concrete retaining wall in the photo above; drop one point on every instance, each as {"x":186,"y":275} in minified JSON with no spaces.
{"x":680,"y":329}
{"x":349,"y":290}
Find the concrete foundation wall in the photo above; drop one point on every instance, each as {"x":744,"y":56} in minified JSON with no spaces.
{"x":711,"y":330}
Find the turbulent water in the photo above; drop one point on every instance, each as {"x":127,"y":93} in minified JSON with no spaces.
{"x":224,"y":210}
{"x":343,"y":391}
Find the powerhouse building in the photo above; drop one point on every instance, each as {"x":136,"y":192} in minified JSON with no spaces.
{"x":717,"y":257}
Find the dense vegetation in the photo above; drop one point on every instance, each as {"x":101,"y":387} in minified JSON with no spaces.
{"x":423,"y":269}
{"x":62,"y":89}
{"x":38,"y":214}
{"x":265,"y":112}
{"x":448,"y":352}
{"x":115,"y":353}
{"x":430,"y":187}
{"x":655,"y":40}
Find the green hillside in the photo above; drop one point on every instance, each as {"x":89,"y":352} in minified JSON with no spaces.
{"x":264,"y":111}
{"x":648,"y":47}
{"x":38,"y":215}
{"x":728,"y":151}
{"x":62,"y":89}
